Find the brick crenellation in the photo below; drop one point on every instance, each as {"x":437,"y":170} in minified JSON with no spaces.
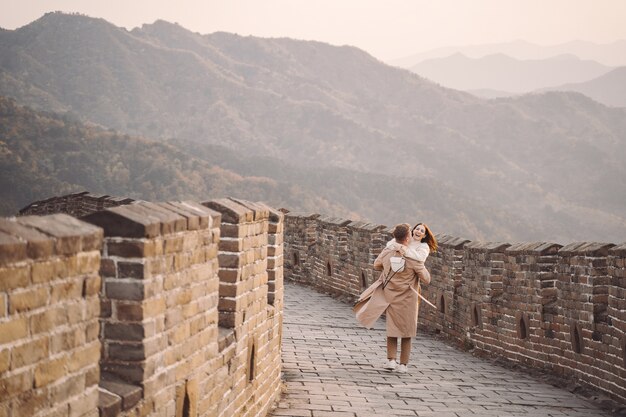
{"x":160,"y":309}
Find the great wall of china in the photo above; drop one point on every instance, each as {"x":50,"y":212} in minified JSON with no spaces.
{"x":175,"y":309}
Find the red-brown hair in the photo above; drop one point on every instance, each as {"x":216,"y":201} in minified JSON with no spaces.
{"x":429,"y":237}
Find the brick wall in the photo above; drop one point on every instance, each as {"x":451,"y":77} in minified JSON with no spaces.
{"x":559,"y":309}
{"x":186,"y":320}
{"x":332,"y":254}
{"x":49,"y":308}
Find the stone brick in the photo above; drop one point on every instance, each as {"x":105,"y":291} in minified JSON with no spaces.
{"x":47,"y":320}
{"x":14,"y":277}
{"x":67,"y":290}
{"x":12,"y":249}
{"x":30,"y":403}
{"x":131,"y":270}
{"x":83,"y":357}
{"x":14,"y":329}
{"x":71,"y":386}
{"x":126,"y":351}
{"x":11,"y":386}
{"x":29,"y":352}
{"x":109,"y":405}
{"x":130,"y":394}
{"x":108,"y":268}
{"x":124,"y":290}
{"x":92,"y":285}
{"x":124,"y":331}
{"x":5,"y":360}
{"x":46,"y":271}
{"x":88,"y":262}
{"x":86,"y":404}
{"x":50,"y":371}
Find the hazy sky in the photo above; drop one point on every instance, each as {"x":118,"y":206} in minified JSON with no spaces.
{"x":385,"y":28}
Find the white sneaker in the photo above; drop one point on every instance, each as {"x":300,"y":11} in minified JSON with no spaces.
{"x":402,"y":369}
{"x":391,"y":364}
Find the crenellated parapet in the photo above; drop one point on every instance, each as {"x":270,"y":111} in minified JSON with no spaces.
{"x":556,"y":308}
{"x":170,"y":309}
{"x":332,"y":254}
{"x":76,"y":204}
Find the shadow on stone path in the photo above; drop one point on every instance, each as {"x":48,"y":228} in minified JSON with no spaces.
{"x":333,"y":368}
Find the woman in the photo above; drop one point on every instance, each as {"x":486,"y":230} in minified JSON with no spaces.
{"x":421,"y":244}
{"x":395,"y":294}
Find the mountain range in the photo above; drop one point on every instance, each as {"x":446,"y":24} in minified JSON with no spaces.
{"x":315,"y":126}
{"x":609,"y":89}
{"x":610,"y":54}
{"x":501,"y":72}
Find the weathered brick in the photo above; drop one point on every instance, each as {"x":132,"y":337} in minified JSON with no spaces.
{"x":131,"y":270}
{"x":129,"y":311}
{"x":5,"y":360}
{"x":70,"y":387}
{"x":108,"y":268}
{"x":126,"y":351}
{"x":48,"y":319}
{"x":88,"y":262}
{"x":49,"y":371}
{"x":124,"y":290}
{"x":12,"y":249}
{"x":86,"y":403}
{"x":126,"y":331}
{"x":67,"y":290}
{"x":30,"y":403}
{"x":11,"y":386}
{"x":14,"y":277}
{"x":83,"y":357}
{"x":92,"y":285}
{"x":14,"y":329}
{"x":29,"y":352}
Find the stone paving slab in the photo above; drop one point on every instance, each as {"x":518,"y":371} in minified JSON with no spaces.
{"x":333,"y":368}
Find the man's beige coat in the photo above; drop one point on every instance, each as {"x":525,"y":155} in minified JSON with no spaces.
{"x":398,"y":300}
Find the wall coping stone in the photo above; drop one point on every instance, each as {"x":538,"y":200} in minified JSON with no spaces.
{"x":368,"y":227}
{"x":618,"y":250}
{"x":586,"y":248}
{"x":534,"y":248}
{"x":38,"y":245}
{"x":451,"y":241}
{"x":335,"y":221}
{"x":295,"y":214}
{"x":125,"y":221}
{"x":232,"y":212}
{"x":71,"y":234}
{"x":260,"y":212}
{"x":487,"y":246}
{"x":195,"y":219}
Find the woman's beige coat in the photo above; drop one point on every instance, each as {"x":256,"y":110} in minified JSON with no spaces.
{"x":399,"y":299}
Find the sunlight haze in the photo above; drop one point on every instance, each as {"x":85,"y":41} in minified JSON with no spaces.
{"x":388,"y":30}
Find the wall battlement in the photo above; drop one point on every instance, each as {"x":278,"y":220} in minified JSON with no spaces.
{"x":161,"y":309}
{"x":556,"y":308}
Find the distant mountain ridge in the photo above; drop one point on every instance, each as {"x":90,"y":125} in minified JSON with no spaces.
{"x":503,"y":73}
{"x":611,"y":54}
{"x":494,"y":168}
{"x":609,"y":89}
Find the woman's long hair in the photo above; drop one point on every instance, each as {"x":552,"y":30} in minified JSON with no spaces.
{"x":429,"y":237}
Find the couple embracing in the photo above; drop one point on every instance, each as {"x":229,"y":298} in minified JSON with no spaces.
{"x":397,"y":291}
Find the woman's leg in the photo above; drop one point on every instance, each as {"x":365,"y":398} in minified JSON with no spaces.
{"x":392,"y":347}
{"x":405,"y":349}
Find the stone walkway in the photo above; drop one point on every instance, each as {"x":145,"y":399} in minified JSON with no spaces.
{"x":332,"y":368}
